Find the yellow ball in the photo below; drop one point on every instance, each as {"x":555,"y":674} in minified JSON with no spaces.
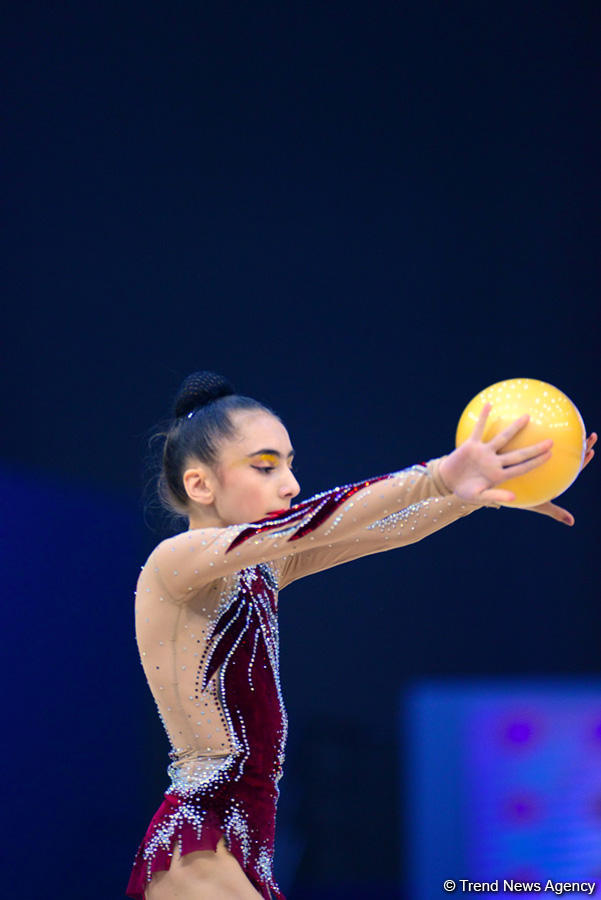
{"x":552,"y":415}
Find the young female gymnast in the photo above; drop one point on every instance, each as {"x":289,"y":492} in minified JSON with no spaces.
{"x":206,"y":615}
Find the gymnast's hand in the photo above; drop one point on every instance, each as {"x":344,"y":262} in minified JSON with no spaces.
{"x":556,"y":512}
{"x":474,"y":469}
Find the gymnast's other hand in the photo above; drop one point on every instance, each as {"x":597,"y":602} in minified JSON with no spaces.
{"x":557,"y":512}
{"x":473,"y":470}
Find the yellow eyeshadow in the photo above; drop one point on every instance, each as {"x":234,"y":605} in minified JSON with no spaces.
{"x":267,"y":458}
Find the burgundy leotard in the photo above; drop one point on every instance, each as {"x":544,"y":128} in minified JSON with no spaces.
{"x":206,"y":625}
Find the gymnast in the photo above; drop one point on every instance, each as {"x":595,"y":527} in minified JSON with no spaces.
{"x":207,"y":606}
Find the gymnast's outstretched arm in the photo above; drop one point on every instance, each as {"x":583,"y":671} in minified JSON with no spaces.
{"x":339,"y":516}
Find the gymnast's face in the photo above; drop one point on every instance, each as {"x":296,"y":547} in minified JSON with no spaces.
{"x":253,"y":477}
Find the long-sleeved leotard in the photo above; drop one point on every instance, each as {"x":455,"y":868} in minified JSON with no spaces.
{"x":206,"y":626}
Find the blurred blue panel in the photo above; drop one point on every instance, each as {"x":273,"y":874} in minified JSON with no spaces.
{"x":72,"y":790}
{"x":503,"y":781}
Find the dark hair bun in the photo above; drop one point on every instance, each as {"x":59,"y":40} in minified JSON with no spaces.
{"x":199,"y":389}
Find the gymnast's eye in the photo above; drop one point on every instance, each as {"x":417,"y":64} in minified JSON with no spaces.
{"x":264,"y":468}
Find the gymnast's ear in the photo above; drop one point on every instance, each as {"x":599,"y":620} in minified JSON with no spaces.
{"x":199,"y":484}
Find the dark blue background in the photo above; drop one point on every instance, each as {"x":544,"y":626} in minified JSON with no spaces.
{"x":362,"y":215}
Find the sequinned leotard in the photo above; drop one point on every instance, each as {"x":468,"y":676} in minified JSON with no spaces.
{"x":207,"y":631}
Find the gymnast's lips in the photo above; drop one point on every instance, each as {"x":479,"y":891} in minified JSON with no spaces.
{"x":274,"y":512}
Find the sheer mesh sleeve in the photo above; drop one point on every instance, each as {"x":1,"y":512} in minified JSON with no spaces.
{"x":328,"y":529}
{"x":427,"y":510}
